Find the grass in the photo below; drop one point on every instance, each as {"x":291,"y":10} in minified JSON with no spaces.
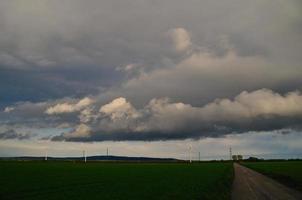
{"x":287,"y":172}
{"x":67,"y":180}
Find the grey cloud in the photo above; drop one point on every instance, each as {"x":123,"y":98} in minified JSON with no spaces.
{"x":78,"y":45}
{"x":37,"y":86}
{"x":12,"y":134}
{"x":43,"y":35}
{"x":203,"y":76}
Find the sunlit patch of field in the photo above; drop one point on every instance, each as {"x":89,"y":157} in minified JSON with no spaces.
{"x":287,"y":172}
{"x":67,"y":180}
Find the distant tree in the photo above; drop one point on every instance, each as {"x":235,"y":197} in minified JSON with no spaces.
{"x":253,"y":159}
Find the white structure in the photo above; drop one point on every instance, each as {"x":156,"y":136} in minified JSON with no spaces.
{"x":190,"y":153}
{"x":45,"y":155}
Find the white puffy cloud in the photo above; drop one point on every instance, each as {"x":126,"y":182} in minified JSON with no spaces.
{"x":8,"y":109}
{"x":162,"y":119}
{"x":181,"y":39}
{"x":69,"y":107}
{"x":81,"y":131}
{"x":165,"y":116}
{"x":254,"y":104}
{"x":119,"y":108}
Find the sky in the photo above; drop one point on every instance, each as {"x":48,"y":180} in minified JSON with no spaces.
{"x":151,"y":77}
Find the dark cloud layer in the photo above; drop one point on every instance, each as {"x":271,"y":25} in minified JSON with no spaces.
{"x":72,"y":48}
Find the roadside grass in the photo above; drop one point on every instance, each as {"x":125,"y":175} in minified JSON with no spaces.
{"x":286,"y":172}
{"x":67,"y":180}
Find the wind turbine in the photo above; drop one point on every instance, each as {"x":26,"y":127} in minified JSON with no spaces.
{"x":190,"y":153}
{"x":84,"y":153}
{"x":46,"y":149}
{"x":84,"y":156}
{"x":46,"y":154}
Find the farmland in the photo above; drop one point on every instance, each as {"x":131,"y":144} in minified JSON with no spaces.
{"x":286,"y":172}
{"x":67,"y":180}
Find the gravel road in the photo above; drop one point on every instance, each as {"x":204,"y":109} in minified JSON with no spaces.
{"x":251,"y":185}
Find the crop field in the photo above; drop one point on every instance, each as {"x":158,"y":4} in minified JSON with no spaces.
{"x":287,"y":172}
{"x":67,"y":180}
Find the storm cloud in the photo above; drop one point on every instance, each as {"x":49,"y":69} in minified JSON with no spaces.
{"x":150,"y":70}
{"x":54,"y":49}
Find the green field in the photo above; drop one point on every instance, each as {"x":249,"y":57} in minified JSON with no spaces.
{"x":66,"y":180}
{"x":287,"y":172}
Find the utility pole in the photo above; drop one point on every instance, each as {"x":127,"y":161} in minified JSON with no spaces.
{"x":84,"y":155}
{"x":230,"y":153}
{"x":107,"y":151}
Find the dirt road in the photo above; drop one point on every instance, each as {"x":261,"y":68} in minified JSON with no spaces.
{"x":251,"y":185}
